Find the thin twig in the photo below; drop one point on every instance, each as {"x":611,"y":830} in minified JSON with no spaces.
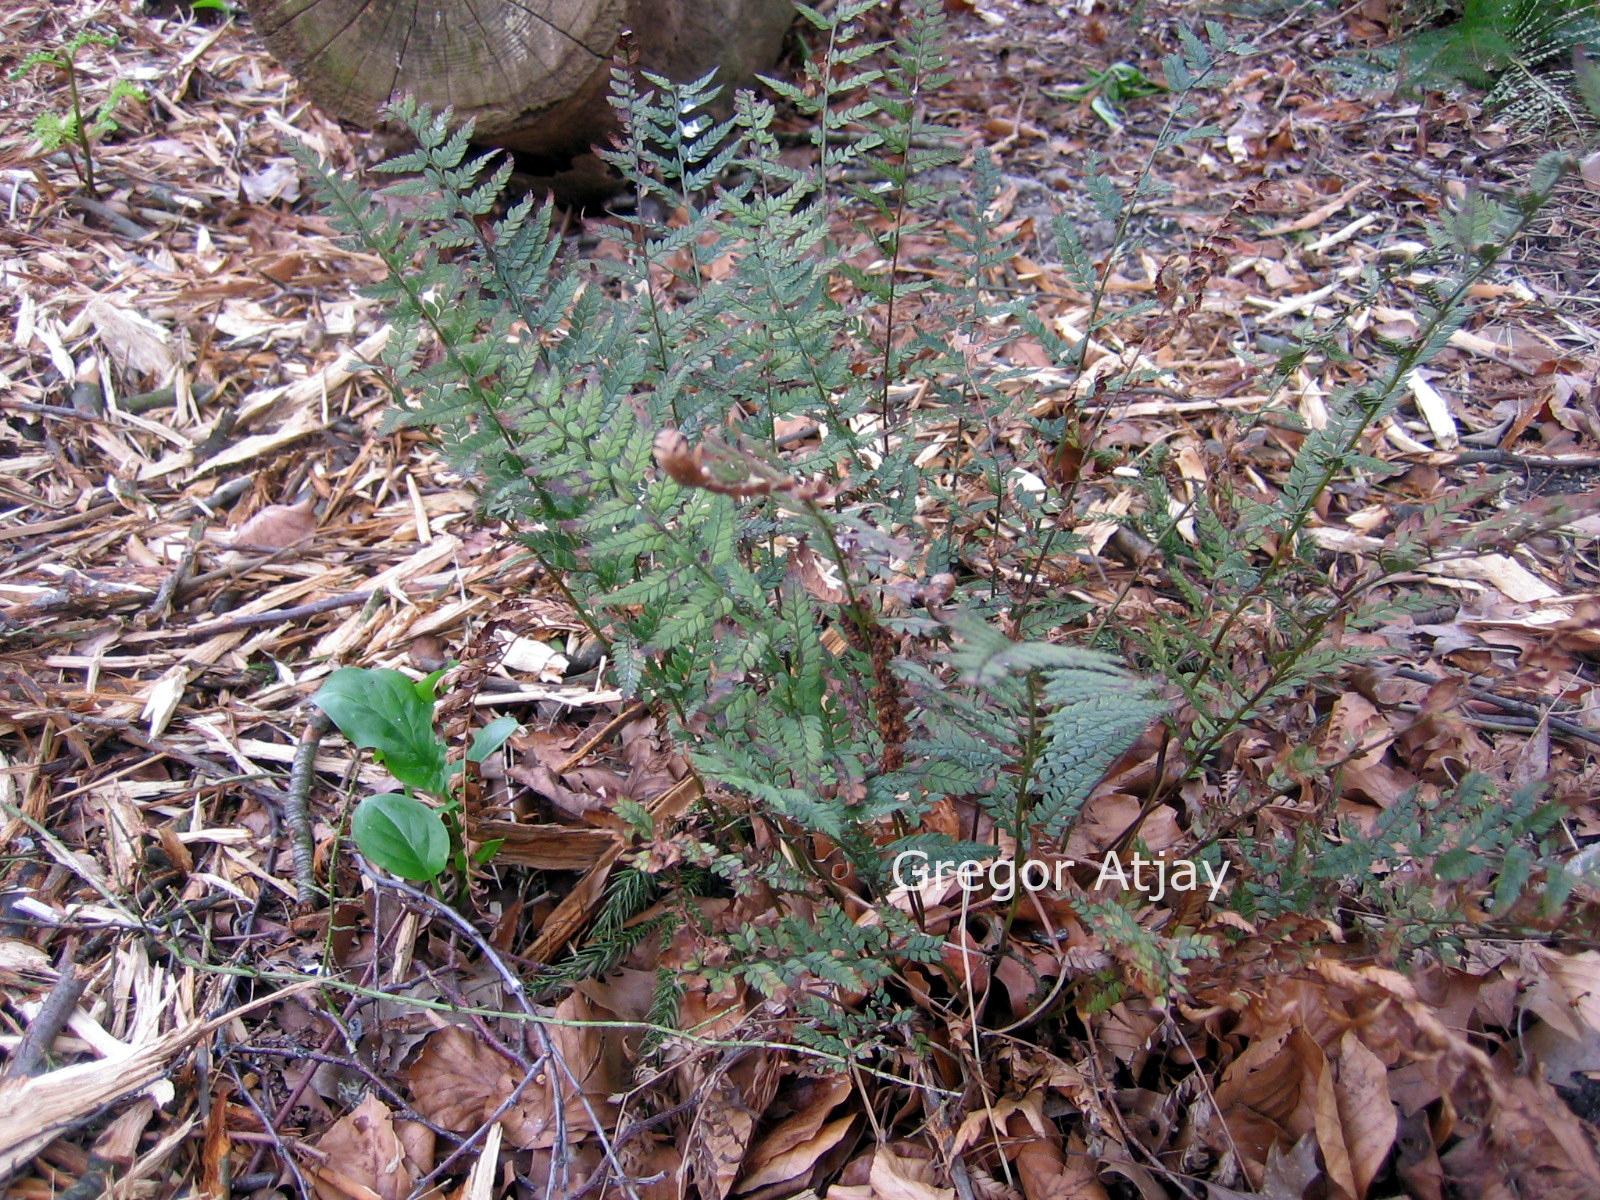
{"x":131,"y":230}
{"x":616,"y":723}
{"x":91,"y":1185}
{"x":298,"y":1090}
{"x":1510,"y":458}
{"x":642,"y":1125}
{"x":297,"y":810}
{"x":1521,"y":708}
{"x":472,"y":1139}
{"x":161,"y":606}
{"x":271,"y":1126}
{"x":273,"y":617}
{"x":353,"y":1064}
{"x":517,"y":989}
{"x":34,"y":1048}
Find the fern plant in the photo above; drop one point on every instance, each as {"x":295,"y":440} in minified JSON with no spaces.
{"x":1519,"y":52}
{"x":702,"y":437}
{"x":78,"y":127}
{"x":626,"y":417}
{"x":1426,"y":872}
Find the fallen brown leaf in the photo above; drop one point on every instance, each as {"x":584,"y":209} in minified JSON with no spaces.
{"x":897,"y":1178}
{"x":795,"y":1164}
{"x":793,"y":1145}
{"x":1367,"y":1116}
{"x":457,"y":1080}
{"x":1045,"y":1171}
{"x":277,"y":527}
{"x":719,"y":1138}
{"x":363,"y":1156}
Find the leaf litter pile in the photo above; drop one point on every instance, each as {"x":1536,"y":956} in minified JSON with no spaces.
{"x":202,"y":524}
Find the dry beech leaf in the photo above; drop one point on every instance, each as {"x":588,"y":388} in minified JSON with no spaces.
{"x":1107,"y":817}
{"x":1289,"y":1176}
{"x":278,"y":527}
{"x":656,"y":1167}
{"x":1366,"y":1114}
{"x":1509,"y":577}
{"x":795,"y":1131}
{"x":719,"y":1139}
{"x":1564,"y":1058}
{"x":795,"y":1164}
{"x":797,"y":1143}
{"x":1528,"y":1144}
{"x":1128,"y":1031}
{"x":1045,"y":1171}
{"x":977,"y":1126}
{"x":363,"y":1157}
{"x":592,"y":1058}
{"x":896,"y":1178}
{"x":1416,"y":1160}
{"x":624,"y":992}
{"x":721,"y":1132}
{"x":1574,"y":1000}
{"x":1260,"y":1092}
{"x":1330,"y":1129}
{"x":568,"y":1173}
{"x":457,"y":1081}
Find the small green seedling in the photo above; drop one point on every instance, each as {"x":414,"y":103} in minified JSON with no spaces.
{"x":72,"y":130}
{"x":1109,"y":90}
{"x":391,"y":715}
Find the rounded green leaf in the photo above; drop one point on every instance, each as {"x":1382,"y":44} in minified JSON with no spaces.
{"x":382,"y":711}
{"x":401,"y":835}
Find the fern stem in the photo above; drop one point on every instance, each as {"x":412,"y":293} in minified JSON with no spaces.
{"x":1089,"y":436}
{"x":81,"y":132}
{"x":1031,"y":748}
{"x":888,"y":331}
{"x":1371,"y":409}
{"x":787,"y":317}
{"x":1031,"y":579}
{"x":1372,"y":406}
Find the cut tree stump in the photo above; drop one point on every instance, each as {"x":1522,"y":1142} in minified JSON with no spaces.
{"x":532,"y":74}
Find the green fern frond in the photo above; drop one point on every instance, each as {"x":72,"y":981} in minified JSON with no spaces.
{"x":1084,"y":737}
{"x":1520,"y":53}
{"x":1407,"y":865}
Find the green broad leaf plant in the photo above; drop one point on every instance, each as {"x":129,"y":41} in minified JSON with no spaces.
{"x":391,"y":715}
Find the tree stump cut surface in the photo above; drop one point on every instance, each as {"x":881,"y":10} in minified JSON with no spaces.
{"x":532,"y":74}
